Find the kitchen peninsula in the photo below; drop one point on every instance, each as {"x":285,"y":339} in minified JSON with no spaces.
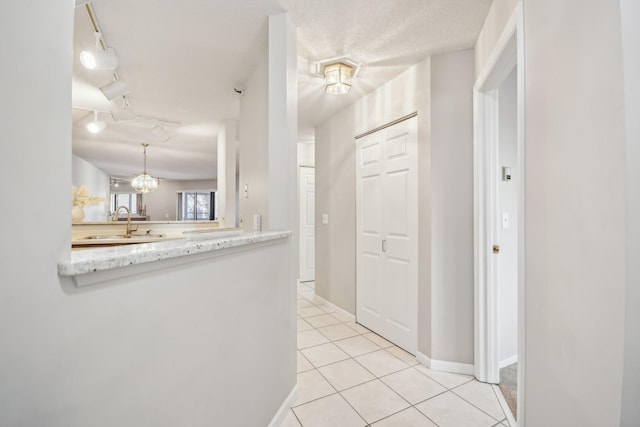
{"x":151,"y":246}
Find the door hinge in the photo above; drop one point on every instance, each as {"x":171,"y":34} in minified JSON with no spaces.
{"x":384,"y":246}
{"x":496,"y":249}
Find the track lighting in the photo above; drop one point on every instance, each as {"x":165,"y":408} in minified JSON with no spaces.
{"x":160,"y":134}
{"x":114,"y":89}
{"x":96,"y":126}
{"x":102,"y":59}
{"x":124,"y":113}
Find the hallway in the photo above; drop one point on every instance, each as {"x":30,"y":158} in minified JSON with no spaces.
{"x":349,"y":376}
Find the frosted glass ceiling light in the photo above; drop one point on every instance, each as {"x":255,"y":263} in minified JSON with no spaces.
{"x":102,"y":59}
{"x":96,"y":126}
{"x":337,"y":78}
{"x":114,"y":89}
{"x":144,"y":183}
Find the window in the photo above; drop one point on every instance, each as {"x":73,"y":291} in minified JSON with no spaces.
{"x":130,"y":200}
{"x":197,"y":206}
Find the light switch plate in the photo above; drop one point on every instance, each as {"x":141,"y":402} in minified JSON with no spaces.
{"x":325,"y":219}
{"x":505,"y":220}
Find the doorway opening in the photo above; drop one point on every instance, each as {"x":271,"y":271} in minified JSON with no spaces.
{"x":307,"y":195}
{"x":499,"y":217}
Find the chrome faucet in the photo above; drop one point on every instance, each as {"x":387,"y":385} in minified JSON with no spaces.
{"x":115,"y":218}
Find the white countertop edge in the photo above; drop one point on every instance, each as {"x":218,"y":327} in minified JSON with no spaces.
{"x":101,"y":259}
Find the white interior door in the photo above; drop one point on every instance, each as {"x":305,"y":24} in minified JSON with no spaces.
{"x":387,"y":232}
{"x":307,"y":183}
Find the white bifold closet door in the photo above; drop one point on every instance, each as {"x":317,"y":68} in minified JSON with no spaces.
{"x":387,"y":233}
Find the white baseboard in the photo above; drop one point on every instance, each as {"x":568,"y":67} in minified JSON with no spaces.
{"x":444,"y":366}
{"x":335,"y":308}
{"x":279,"y":417}
{"x":508,"y":361}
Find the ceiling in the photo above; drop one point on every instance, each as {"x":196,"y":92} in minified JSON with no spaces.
{"x":182,"y":61}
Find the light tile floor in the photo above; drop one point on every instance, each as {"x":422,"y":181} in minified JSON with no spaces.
{"x":349,"y":376}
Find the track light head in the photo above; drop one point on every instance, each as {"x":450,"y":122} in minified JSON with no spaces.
{"x":159,"y":134}
{"x":101,"y":60}
{"x":114,"y":89}
{"x":122,"y":114}
{"x":96,"y":126}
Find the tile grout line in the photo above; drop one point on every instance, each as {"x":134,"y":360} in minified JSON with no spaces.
{"x":375,"y":377}
{"x":476,"y":406}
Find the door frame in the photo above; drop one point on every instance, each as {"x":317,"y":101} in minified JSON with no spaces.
{"x":507,"y":53}
{"x":300,"y":236}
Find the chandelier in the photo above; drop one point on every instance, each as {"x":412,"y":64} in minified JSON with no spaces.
{"x":144,"y":183}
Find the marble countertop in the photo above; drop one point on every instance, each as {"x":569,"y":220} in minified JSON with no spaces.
{"x":102,"y":259}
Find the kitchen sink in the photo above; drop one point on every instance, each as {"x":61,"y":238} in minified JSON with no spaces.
{"x":124,"y":236}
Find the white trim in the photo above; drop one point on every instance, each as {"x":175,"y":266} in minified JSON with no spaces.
{"x":508,"y":361}
{"x":521,"y":149}
{"x":335,"y":308}
{"x":444,"y":365}
{"x":506,"y":54}
{"x":281,"y":414}
{"x":488,"y":76}
{"x":504,"y":405}
{"x":299,"y":222}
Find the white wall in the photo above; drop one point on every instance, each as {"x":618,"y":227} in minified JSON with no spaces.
{"x":98,"y":183}
{"x":499,"y":14}
{"x":306,"y":154}
{"x":149,"y":350}
{"x":253,"y":136}
{"x":575,"y":213}
{"x":630,"y":12}
{"x":283,"y":128}
{"x":445,"y":138}
{"x":452,"y":77}
{"x":335,"y":177}
{"x":508,"y":238}
{"x":162,"y":203}
{"x":227,"y":173}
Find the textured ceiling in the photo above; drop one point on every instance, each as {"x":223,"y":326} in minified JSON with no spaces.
{"x":181,"y":61}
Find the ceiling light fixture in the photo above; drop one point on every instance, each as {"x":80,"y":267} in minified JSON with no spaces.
{"x":124,"y":113}
{"x":337,"y":78}
{"x":160,"y":134}
{"x":144,"y":183}
{"x":96,"y":126}
{"x":114,"y":89}
{"x":337,"y":72}
{"x":102,"y":59}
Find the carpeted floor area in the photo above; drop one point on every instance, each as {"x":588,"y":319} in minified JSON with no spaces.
{"x":509,"y":386}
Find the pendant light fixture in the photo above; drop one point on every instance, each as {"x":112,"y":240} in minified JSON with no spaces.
{"x":96,"y":126}
{"x":144,"y":183}
{"x":337,"y":78}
